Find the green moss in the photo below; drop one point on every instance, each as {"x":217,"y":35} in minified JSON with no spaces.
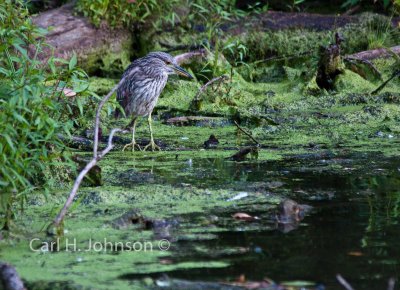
{"x":349,"y":81}
{"x":101,"y":86}
{"x":108,"y":62}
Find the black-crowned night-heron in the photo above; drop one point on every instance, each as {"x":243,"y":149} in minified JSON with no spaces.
{"x":138,"y":94}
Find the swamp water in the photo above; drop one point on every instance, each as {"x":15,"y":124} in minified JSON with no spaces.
{"x":352,"y":229}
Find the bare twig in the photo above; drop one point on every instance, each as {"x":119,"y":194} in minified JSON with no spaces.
{"x":210,"y":82}
{"x":57,"y":221}
{"x":96,"y":156}
{"x":98,"y":113}
{"x":343,"y":282}
{"x":247,"y":134}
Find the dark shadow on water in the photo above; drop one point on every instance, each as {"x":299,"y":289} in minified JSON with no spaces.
{"x":353,"y":229}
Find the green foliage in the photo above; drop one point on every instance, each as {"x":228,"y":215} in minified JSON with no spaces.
{"x":212,"y":15}
{"x":295,"y":5}
{"x":382,"y":34}
{"x":124,"y":12}
{"x":33,"y":105}
{"x":193,"y":15}
{"x":351,"y":3}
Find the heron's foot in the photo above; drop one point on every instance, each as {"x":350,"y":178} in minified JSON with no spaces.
{"x":133,"y":145}
{"x":153,"y":146}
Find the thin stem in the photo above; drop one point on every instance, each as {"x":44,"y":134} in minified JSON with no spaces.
{"x":98,"y":113}
{"x":247,"y":133}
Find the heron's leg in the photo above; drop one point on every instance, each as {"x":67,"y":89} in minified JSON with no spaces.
{"x":133,"y":143}
{"x":152,"y":144}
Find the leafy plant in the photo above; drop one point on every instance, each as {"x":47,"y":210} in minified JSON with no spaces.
{"x":125,"y":12}
{"x":34,"y":106}
{"x":214,"y":16}
{"x":295,"y":5}
{"x":381,"y":33}
{"x":351,"y":3}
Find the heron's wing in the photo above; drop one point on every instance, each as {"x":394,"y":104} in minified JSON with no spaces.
{"x":123,"y":92}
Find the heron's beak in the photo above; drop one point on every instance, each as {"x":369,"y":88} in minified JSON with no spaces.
{"x":182,"y":72}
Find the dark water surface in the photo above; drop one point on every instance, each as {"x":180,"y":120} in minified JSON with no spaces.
{"x":353,"y":228}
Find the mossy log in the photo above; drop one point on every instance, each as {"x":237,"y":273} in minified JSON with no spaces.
{"x":100,"y":50}
{"x":330,"y":64}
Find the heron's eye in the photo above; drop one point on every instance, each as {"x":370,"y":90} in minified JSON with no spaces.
{"x":167,"y":62}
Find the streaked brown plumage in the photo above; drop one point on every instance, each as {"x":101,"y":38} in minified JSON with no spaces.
{"x":145,"y":79}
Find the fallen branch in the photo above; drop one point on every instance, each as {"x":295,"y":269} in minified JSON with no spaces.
{"x":376,"y":53}
{"x":343,"y":282}
{"x":210,"y":82}
{"x":247,"y":134}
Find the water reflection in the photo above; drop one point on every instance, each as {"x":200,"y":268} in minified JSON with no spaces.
{"x":353,"y":229}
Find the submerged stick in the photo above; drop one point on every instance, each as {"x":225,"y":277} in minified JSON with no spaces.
{"x":343,"y":282}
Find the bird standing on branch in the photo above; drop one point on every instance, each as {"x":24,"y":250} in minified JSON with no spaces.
{"x":138,"y":94}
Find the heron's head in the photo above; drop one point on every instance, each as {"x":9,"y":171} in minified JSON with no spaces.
{"x":167,"y":63}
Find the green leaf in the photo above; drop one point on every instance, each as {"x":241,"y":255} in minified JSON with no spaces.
{"x":20,"y":118}
{"x":72,"y":62}
{"x":80,"y":106}
{"x":9,"y":141}
{"x":21,"y":50}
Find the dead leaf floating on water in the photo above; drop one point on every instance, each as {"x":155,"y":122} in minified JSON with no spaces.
{"x":244,"y":216}
{"x":355,"y":253}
